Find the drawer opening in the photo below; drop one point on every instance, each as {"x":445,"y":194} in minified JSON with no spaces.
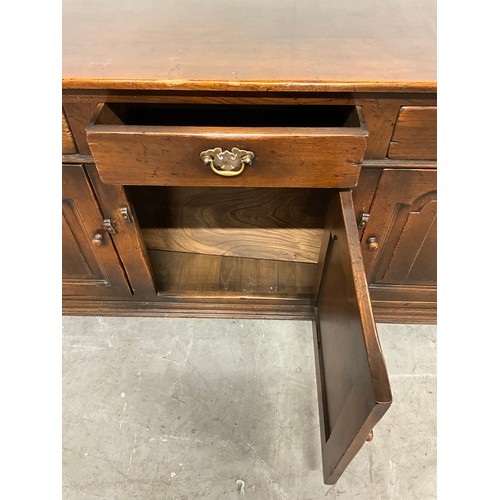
{"x":222,"y":115}
{"x":233,"y":242}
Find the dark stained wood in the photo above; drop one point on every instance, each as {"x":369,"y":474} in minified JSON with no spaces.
{"x":76,"y":158}
{"x":167,"y":44}
{"x":404,"y":293}
{"x":316,"y":155}
{"x":296,"y":245}
{"x":380,"y":110}
{"x":380,"y":116}
{"x":68,"y":144}
{"x":79,"y":115}
{"x":74,"y":263}
{"x":399,"y":164}
{"x":415,"y":134}
{"x":384,"y":312}
{"x":190,"y":308}
{"x":210,"y":275}
{"x":238,"y":254}
{"x":278,"y":223}
{"x":403,"y":219}
{"x":404,"y":312}
{"x":128,"y":239}
{"x":419,"y":264}
{"x":362,"y":196}
{"x":353,"y":386}
{"x":87,"y":269}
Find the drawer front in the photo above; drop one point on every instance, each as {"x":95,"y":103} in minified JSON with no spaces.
{"x":415,"y":134}
{"x":68,"y":144}
{"x":133,"y":149}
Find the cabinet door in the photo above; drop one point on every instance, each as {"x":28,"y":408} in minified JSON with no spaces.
{"x":353,"y":386}
{"x":401,"y":259}
{"x":90,"y":264}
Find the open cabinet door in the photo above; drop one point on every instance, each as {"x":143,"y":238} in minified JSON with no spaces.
{"x":353,"y":386}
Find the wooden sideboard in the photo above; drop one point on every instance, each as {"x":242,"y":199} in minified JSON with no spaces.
{"x":326,"y":209}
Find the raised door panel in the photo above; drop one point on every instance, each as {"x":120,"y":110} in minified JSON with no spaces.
{"x":403,"y":221}
{"x":90,"y":264}
{"x":353,"y":385}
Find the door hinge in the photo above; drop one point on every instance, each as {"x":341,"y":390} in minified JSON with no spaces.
{"x":109,"y":225}
{"x":126,"y":214}
{"x":363,"y":219}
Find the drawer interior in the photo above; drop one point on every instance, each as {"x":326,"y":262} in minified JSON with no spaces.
{"x":236,"y":242}
{"x":223,"y":115}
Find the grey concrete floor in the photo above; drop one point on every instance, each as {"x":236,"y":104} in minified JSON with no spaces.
{"x":183,"y":408}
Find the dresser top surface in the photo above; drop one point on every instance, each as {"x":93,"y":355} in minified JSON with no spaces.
{"x":250,"y":45}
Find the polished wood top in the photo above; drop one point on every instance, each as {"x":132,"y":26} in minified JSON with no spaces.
{"x":247,"y":45}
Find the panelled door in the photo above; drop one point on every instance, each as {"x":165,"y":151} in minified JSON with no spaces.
{"x":90,"y":264}
{"x":400,"y":239}
{"x":353,"y":386}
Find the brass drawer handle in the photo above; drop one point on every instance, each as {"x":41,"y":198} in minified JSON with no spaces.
{"x":227,"y":163}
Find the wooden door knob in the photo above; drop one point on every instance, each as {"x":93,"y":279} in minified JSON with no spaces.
{"x":370,"y":436}
{"x":372,"y":243}
{"x":97,"y":240}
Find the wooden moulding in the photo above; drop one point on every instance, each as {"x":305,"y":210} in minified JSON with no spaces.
{"x":384,"y":312}
{"x":192,"y":308}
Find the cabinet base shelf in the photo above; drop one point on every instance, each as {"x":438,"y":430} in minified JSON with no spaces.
{"x":384,"y":312}
{"x":403,"y":312}
{"x":135,"y":308}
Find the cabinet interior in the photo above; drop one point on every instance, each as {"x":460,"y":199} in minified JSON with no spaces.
{"x":233,"y":242}
{"x":229,"y":115}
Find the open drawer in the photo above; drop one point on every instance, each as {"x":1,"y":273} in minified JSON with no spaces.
{"x":228,"y":145}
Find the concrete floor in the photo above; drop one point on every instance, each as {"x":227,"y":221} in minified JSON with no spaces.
{"x":183,"y":409}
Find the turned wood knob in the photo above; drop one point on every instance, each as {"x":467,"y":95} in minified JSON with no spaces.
{"x":372,"y":243}
{"x":97,"y":240}
{"x":370,"y":436}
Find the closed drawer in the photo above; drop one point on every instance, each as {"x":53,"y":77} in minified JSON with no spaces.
{"x":415,"y":134}
{"x":68,"y":144}
{"x":285,"y":146}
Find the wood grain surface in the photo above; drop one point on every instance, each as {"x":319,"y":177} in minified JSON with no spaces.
{"x":128,"y":239}
{"x":253,"y":45}
{"x":403,"y":218}
{"x":353,"y":385}
{"x":276,"y":224}
{"x":294,"y":245}
{"x":415,"y":134}
{"x":68,"y":143}
{"x":294,"y":146}
{"x":87,"y":269}
{"x":216,"y":276}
